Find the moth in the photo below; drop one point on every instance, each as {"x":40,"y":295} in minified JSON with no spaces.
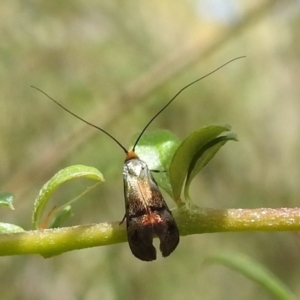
{"x":146,"y":212}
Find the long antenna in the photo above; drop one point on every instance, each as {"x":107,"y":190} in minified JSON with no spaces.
{"x":151,"y":120}
{"x":76,"y":116}
{"x":178,"y":93}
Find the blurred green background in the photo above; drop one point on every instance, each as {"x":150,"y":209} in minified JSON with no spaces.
{"x":116,"y":63}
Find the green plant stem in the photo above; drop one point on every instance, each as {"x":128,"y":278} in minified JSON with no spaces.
{"x":196,"y":220}
{"x":50,"y":242}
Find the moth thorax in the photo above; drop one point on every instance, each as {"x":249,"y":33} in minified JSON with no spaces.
{"x":135,"y":167}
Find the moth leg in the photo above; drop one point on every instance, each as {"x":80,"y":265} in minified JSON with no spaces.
{"x":123,"y":220}
{"x":158,"y":171}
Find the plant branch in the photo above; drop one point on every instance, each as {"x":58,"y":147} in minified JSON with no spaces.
{"x":51,"y":242}
{"x":195,"y":220}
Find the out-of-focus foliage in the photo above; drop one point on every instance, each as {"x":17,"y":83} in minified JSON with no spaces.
{"x":116,"y":63}
{"x":254,"y":271}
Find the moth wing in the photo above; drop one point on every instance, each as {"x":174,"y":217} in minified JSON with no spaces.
{"x":140,"y":240}
{"x":165,"y":228}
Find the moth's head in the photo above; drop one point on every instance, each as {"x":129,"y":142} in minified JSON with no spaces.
{"x":130,"y":155}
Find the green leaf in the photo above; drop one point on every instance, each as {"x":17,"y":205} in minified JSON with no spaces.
{"x":187,"y":151}
{"x":6,"y":199}
{"x":10,"y":228}
{"x":255,"y":272}
{"x":62,"y":176}
{"x":203,"y":156}
{"x":157,"y":149}
{"x":62,"y":215}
